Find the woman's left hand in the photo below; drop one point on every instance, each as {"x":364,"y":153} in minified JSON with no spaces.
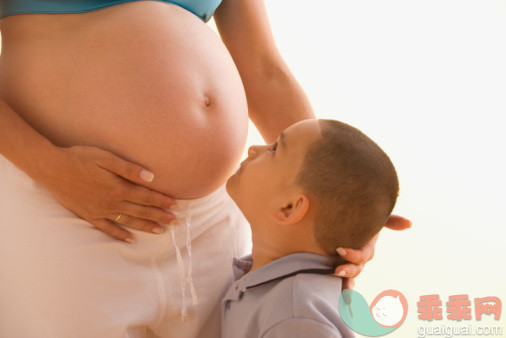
{"x":358,"y":258}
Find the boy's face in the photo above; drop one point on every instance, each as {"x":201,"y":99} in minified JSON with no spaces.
{"x":265,"y":181}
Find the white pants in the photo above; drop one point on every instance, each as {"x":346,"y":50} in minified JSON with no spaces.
{"x":62,"y":277}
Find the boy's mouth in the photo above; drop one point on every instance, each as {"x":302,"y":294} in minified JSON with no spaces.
{"x":243,"y":165}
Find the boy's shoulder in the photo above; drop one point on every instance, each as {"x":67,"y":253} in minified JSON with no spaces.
{"x":305,"y":296}
{"x":306,"y":289}
{"x":314,"y":292}
{"x":296,"y":294}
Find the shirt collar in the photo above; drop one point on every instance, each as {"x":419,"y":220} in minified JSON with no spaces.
{"x":241,"y":266}
{"x":301,"y":262}
{"x":287,"y":265}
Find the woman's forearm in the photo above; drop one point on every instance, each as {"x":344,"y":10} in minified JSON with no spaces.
{"x":277,"y":101}
{"x":275,"y":98}
{"x":23,"y":145}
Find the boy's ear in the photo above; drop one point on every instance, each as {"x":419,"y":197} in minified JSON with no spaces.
{"x":292,"y":211}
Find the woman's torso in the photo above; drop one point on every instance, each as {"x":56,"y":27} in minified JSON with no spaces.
{"x":146,"y":80}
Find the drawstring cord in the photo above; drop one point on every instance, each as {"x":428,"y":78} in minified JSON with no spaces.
{"x":180,"y":264}
{"x":189,"y":249}
{"x":181,"y":271}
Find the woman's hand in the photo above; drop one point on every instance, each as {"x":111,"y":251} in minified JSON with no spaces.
{"x":358,"y":258}
{"x":98,"y":186}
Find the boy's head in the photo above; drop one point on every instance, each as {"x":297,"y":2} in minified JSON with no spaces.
{"x":323,"y":184}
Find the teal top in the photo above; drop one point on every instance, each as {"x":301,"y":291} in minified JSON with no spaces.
{"x":204,"y":9}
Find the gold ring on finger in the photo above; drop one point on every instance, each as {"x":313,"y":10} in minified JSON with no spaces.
{"x":118,"y":217}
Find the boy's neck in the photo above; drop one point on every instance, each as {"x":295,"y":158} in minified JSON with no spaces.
{"x":265,"y":251}
{"x":261,"y":257}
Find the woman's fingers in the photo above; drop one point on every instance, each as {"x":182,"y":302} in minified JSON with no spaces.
{"x":112,"y":229}
{"x":396,"y":222}
{"x":360,"y":256}
{"x":128,"y":170}
{"x":141,"y":195}
{"x":357,"y":259}
{"x":144,"y":212}
{"x":356,"y":256}
{"x":99,"y":187}
{"x":139,"y":223}
{"x":349,"y":270}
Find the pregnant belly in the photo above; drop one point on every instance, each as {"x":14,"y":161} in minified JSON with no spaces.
{"x":146,"y":80}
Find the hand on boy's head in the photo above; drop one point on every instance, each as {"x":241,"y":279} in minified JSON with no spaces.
{"x":358,"y":258}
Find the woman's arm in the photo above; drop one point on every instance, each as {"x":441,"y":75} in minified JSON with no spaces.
{"x":275,"y":98}
{"x":22,"y":145}
{"x":91,"y":182}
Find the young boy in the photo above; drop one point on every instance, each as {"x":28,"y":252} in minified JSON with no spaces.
{"x":322,"y":185}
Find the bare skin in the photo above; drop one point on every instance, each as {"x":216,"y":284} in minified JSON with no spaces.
{"x":90,"y":100}
{"x":99,"y":81}
{"x":94,"y":79}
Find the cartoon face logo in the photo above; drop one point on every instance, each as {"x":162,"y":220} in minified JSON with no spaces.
{"x":389,"y":308}
{"x":387,"y":311}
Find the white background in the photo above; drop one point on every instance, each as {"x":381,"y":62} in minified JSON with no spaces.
{"x":427,"y":81}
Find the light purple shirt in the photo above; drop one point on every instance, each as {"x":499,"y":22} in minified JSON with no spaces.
{"x":294,"y":296}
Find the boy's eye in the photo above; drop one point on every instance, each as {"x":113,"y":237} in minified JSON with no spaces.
{"x":273,"y":147}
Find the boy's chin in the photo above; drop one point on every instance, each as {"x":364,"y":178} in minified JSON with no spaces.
{"x":229,"y":186}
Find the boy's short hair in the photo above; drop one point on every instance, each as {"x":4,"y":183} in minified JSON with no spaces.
{"x":353,"y":185}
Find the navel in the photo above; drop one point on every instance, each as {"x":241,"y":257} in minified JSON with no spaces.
{"x":207,"y":101}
